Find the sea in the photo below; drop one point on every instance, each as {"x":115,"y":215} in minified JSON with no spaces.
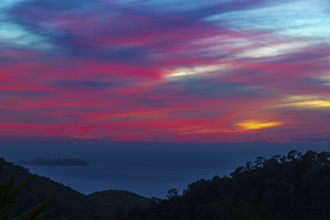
{"x":145,"y":181}
{"x":147,"y":169}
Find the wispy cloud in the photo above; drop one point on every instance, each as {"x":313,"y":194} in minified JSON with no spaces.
{"x":219,"y":71}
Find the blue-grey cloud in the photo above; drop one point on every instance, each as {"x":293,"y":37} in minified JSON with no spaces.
{"x":215,"y":88}
{"x":84,"y":84}
{"x":9,"y":115}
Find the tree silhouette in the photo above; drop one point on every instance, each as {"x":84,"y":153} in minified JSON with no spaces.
{"x":291,"y":187}
{"x":8,"y":194}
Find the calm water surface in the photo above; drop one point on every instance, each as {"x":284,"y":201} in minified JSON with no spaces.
{"x":146,"y":181}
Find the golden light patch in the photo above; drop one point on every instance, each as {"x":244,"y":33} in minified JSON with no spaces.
{"x":307,"y":102}
{"x":311,"y":104}
{"x":257,"y":125}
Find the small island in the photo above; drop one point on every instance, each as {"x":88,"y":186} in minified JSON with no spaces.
{"x":55,"y":162}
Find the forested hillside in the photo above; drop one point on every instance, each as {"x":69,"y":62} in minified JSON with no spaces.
{"x":67,"y":202}
{"x":292,"y":187}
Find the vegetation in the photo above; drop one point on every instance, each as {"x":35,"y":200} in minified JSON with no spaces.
{"x":67,"y":203}
{"x":296,"y":186}
{"x":291,"y":187}
{"x":111,"y":201}
{"x":8,"y":195}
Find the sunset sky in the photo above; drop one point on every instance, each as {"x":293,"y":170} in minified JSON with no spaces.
{"x":165,"y":70}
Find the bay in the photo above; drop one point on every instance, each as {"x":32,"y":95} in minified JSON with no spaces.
{"x":145,"y":181}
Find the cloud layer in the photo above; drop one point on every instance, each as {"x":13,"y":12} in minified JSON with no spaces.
{"x":131,"y":70}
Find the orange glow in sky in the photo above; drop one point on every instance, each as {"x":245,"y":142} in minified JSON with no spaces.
{"x":255,"y":125}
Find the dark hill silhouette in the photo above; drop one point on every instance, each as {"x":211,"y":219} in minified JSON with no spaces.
{"x":110,"y":200}
{"x":292,"y":187}
{"x":67,"y":202}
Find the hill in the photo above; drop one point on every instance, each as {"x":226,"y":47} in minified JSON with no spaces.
{"x":109,"y":201}
{"x":67,"y":202}
{"x":292,"y":187}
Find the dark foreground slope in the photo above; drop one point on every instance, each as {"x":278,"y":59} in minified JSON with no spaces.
{"x":67,"y":202}
{"x":292,"y":187}
{"x":109,"y":201}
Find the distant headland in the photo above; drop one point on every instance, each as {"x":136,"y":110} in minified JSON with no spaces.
{"x":55,"y":162}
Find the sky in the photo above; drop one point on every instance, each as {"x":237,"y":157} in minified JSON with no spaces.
{"x":165,"y":71}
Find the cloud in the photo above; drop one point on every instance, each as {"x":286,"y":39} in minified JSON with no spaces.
{"x":84,"y":84}
{"x":147,"y":70}
{"x":10,"y":115}
{"x":216,"y":88}
{"x":306,"y":102}
{"x":299,"y":19}
{"x":256,"y":125}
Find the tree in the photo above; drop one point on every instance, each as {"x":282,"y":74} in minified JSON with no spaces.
{"x":294,"y":187}
{"x":171,"y":193}
{"x":8,"y":194}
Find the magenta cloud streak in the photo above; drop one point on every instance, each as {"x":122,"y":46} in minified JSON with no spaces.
{"x":243,"y":71}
